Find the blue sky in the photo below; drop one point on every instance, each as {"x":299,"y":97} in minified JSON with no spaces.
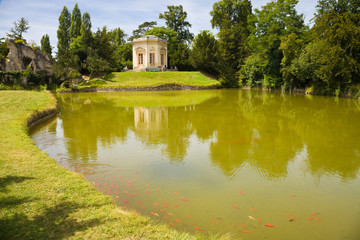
{"x":43,"y":14}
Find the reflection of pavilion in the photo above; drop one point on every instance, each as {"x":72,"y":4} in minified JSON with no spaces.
{"x":150,"y":119}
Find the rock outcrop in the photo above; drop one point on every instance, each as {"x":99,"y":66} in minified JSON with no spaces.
{"x":21,"y":55}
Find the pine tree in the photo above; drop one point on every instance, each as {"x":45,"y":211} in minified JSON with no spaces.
{"x":75,"y":26}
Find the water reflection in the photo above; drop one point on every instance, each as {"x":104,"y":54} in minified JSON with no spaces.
{"x":265,"y":130}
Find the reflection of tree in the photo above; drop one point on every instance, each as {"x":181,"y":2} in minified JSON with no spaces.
{"x":90,"y":121}
{"x":263,"y":129}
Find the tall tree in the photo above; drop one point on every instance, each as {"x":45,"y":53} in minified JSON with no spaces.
{"x":63,"y":35}
{"x":231,"y":18}
{"x":175,"y":18}
{"x":275,"y":20}
{"x":75,"y":26}
{"x":118,"y":36}
{"x":204,"y":53}
{"x":86,"y":28}
{"x":45,"y":45}
{"x":20,"y":26}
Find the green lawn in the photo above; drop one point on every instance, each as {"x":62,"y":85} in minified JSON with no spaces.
{"x":142,"y":79}
{"x":39,"y":199}
{"x":190,"y":80}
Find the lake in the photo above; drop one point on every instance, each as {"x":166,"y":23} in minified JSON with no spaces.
{"x":255,"y":164}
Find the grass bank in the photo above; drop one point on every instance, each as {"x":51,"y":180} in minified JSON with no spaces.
{"x":117,"y":81}
{"x":39,"y":199}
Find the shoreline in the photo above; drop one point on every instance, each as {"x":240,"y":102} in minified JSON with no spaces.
{"x":41,"y":194}
{"x":164,"y":87}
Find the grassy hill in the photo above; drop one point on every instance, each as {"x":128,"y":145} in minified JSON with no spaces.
{"x":150,"y":80}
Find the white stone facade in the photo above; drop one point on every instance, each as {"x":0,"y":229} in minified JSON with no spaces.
{"x":149,"y":53}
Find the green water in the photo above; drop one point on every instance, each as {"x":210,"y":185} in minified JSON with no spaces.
{"x":223,"y":161}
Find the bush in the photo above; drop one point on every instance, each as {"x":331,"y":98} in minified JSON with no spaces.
{"x":19,"y":41}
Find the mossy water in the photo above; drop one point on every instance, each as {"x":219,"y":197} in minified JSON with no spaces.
{"x":251,"y":163}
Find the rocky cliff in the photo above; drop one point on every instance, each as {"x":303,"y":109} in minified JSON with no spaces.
{"x":21,"y":55}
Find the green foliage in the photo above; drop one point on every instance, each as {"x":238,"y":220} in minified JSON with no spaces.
{"x":45,"y":45}
{"x":123,"y":56}
{"x":180,"y":58}
{"x":142,"y":29}
{"x":291,"y":47}
{"x":20,"y":41}
{"x":275,"y":20}
{"x":75,"y":26}
{"x":231,"y":18}
{"x":175,"y":18}
{"x":20,"y":26}
{"x":86,"y":28}
{"x":204,"y":53}
{"x":251,"y":73}
{"x":63,"y":37}
{"x":118,"y":36}
{"x":4,"y":51}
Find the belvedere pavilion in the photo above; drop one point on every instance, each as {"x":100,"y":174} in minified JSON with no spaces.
{"x":149,"y":53}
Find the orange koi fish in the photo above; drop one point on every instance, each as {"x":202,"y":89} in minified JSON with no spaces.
{"x":134,"y":189}
{"x":164,"y":205}
{"x":234,"y":225}
{"x":155,"y":214}
{"x":269,"y":225}
{"x":259,"y":220}
{"x":252,"y":218}
{"x":292,"y":195}
{"x":172,"y":224}
{"x":147,"y":192}
{"x":178,"y":220}
{"x":251,"y":209}
{"x":137,"y":172}
{"x":214,"y":221}
{"x":125,"y":207}
{"x":176,"y":193}
{"x":176,"y":205}
{"x":243,"y":224}
{"x":162,"y":211}
{"x":135,"y":195}
{"x":120,"y":176}
{"x":156,"y":204}
{"x":310,"y":218}
{"x":241,"y":192}
{"x":235,"y":207}
{"x":244,"y":231}
{"x":157,"y":191}
{"x":197,"y":228}
{"x":166,"y":218}
{"x":148,"y":185}
{"x":317,"y":219}
{"x":139,"y":202}
{"x":189,"y":216}
{"x":315,"y":214}
{"x":125,"y":201}
{"x":183,"y":199}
